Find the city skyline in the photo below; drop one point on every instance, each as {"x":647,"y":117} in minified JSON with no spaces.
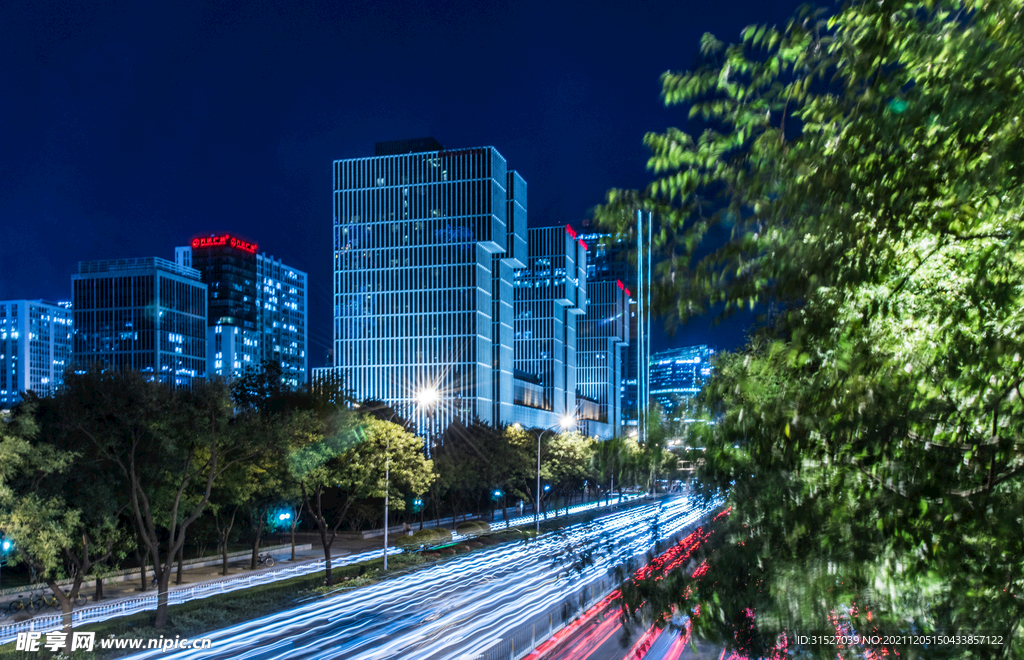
{"x":136,"y":126}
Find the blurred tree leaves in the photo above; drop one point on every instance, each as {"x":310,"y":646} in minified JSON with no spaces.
{"x":866,"y":168}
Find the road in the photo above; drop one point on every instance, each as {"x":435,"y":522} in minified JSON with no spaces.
{"x":599,"y":633}
{"x":492,"y":603}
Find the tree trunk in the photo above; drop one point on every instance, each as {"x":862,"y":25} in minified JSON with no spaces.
{"x":224,"y":557}
{"x":163,"y":577}
{"x":98,"y":596}
{"x":66,"y":606}
{"x":329,"y":579}
{"x":181,"y":561}
{"x":256,"y":542}
{"x":142,"y":569}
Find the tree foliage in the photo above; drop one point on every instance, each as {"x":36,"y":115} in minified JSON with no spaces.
{"x":860,"y":174}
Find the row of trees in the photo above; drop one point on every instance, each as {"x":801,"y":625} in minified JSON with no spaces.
{"x":114,"y":468}
{"x":113,"y":465}
{"x":860,"y":175}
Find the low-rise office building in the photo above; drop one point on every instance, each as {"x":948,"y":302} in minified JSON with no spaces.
{"x":35,"y":347}
{"x":145,"y":314}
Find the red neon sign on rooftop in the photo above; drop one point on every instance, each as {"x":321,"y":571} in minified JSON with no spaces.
{"x":220,"y":241}
{"x":622,"y":287}
{"x":569,"y":230}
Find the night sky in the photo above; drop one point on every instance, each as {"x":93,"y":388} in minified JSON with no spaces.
{"x":130,"y":127}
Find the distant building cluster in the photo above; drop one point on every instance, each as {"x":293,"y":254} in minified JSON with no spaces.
{"x":438,"y":286}
{"x":677,"y":377}
{"x":218,"y":309}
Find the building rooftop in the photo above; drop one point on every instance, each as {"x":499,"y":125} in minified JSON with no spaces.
{"x":413,"y":146}
{"x":143,"y":263}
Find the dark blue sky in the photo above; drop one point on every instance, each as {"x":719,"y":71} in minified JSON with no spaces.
{"x":129,"y":127}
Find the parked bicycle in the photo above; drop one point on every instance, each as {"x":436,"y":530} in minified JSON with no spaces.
{"x":30,"y":603}
{"x":266,"y":560}
{"x":54,"y":602}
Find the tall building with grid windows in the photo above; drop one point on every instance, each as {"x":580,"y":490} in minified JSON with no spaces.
{"x":257,"y":307}
{"x":602,"y":334}
{"x":144,"y":314}
{"x":607,"y":262}
{"x":426,"y":243}
{"x":35,"y":347}
{"x":550,"y":295}
{"x":281,"y":302}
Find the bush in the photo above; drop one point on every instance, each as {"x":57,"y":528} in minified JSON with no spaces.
{"x":473,"y":528}
{"x":430,"y":537}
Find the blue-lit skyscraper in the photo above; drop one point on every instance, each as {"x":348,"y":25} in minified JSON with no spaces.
{"x":35,"y":347}
{"x":550,"y":295}
{"x":426,"y":241}
{"x":602,"y":334}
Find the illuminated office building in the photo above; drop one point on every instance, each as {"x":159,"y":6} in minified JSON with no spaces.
{"x":602,"y":335}
{"x":35,"y":347}
{"x":426,"y":243}
{"x":550,"y":295}
{"x":607,"y":261}
{"x":257,"y":307}
{"x":146,"y":314}
{"x":677,"y":377}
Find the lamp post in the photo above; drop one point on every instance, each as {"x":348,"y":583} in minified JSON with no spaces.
{"x":424,"y":398}
{"x":564,"y":424}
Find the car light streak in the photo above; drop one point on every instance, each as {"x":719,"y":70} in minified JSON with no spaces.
{"x":439,"y":612}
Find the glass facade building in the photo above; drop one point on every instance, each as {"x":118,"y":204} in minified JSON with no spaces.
{"x":602,"y":335}
{"x":550,"y":296}
{"x":677,"y":376}
{"x":35,"y":347}
{"x":426,"y":243}
{"x":281,"y":302}
{"x":607,"y":261}
{"x":257,"y":307}
{"x":144,"y":314}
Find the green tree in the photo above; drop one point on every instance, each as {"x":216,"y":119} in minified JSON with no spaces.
{"x":169,"y":447}
{"x":564,"y":463}
{"x":342,"y":463}
{"x":613,"y":464}
{"x":859,"y":176}
{"x":38,"y":486}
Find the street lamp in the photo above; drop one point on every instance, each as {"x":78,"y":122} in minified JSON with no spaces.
{"x":566,"y":423}
{"x":5,"y":547}
{"x":424,"y":398}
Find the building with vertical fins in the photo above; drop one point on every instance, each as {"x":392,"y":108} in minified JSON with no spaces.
{"x":145,"y":314}
{"x":550,"y":295}
{"x":257,"y":307}
{"x":607,"y":262}
{"x":426,"y":243}
{"x":35,"y":347}
{"x":602,"y":335}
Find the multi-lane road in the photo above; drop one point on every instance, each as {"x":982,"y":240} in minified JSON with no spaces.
{"x":491,"y":603}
